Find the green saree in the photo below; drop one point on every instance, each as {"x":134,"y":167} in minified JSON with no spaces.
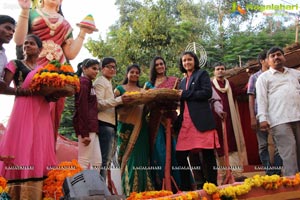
{"x":133,"y":148}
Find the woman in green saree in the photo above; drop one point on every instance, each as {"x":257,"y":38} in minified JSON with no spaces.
{"x":133,"y":139}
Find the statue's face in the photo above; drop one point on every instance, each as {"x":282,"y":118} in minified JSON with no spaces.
{"x":51,"y":2}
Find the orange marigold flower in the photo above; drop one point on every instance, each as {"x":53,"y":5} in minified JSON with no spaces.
{"x":55,"y":75}
{"x":3,"y":182}
{"x":52,"y":186}
{"x":216,"y":196}
{"x":67,"y":68}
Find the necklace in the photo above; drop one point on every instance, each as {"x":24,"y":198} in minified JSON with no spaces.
{"x":49,"y":13}
{"x":52,"y":26}
{"x":131,"y":88}
{"x":29,"y":66}
{"x":160,"y":80}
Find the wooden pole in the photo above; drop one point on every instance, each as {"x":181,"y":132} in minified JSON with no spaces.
{"x":168,"y":157}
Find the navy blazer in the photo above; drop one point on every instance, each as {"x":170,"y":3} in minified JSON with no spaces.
{"x":196,"y":95}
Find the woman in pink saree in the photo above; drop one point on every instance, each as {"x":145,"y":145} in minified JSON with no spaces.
{"x":27,"y":146}
{"x":56,"y":33}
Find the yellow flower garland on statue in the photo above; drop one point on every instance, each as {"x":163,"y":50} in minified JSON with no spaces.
{"x":272,"y":182}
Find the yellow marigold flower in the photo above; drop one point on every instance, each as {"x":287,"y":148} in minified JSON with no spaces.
{"x":53,"y":75}
{"x":228,"y":191}
{"x":132,"y":92}
{"x":210,"y":188}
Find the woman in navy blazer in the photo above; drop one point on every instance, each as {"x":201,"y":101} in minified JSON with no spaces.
{"x":196,"y":122}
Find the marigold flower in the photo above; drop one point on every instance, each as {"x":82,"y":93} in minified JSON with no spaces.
{"x":149,"y":194}
{"x":210,"y":188}
{"x":267,"y":182}
{"x":52,"y":186}
{"x":3,"y":185}
{"x":55,"y":75}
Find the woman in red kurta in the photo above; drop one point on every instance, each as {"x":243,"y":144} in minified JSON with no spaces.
{"x":197,"y":126}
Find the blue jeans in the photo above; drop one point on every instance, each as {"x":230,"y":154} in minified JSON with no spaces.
{"x":107,"y":140}
{"x":262,"y":139}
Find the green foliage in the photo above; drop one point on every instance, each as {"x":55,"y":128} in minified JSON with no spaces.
{"x":66,"y":125}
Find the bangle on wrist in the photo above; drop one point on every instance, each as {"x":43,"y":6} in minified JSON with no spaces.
{"x":24,"y":16}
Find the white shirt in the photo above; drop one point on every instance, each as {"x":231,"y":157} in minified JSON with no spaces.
{"x":106,"y":100}
{"x":278,"y":96}
{"x":3,"y":61}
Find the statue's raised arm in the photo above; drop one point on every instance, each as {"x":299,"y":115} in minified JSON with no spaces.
{"x":22,"y":26}
{"x":45,"y":21}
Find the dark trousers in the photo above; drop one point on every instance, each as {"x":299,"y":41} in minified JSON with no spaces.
{"x":107,"y":140}
{"x":207,"y":170}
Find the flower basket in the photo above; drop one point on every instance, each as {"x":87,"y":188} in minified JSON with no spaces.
{"x":55,"y":79}
{"x":65,"y":91}
{"x":144,"y":97}
{"x":166,"y":94}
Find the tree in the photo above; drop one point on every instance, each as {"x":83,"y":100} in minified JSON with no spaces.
{"x":66,"y":125}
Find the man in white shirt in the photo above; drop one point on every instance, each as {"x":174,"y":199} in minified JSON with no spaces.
{"x":262,"y":136}
{"x":106,"y":112}
{"x":278,"y":101}
{"x":7,"y":29}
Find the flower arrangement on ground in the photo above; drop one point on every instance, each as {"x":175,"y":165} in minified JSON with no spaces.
{"x":166,"y":195}
{"x":52,"y":186}
{"x":266,"y":182}
{"x":55,"y":78}
{"x":3,"y":189}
